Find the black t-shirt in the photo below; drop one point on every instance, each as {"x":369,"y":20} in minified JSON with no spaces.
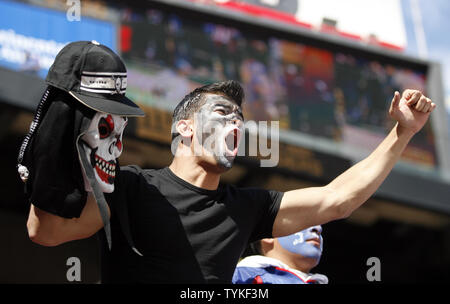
{"x":186,"y":234}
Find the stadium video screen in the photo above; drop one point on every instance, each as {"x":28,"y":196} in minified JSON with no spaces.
{"x":320,"y":91}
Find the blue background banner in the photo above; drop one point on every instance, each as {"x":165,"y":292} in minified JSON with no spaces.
{"x":30,"y":36}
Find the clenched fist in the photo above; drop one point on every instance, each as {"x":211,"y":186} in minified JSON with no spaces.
{"x":411,"y":110}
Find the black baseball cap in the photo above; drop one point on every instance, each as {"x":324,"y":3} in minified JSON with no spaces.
{"x":94,"y":75}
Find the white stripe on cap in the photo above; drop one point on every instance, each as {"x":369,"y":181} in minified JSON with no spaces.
{"x":102,"y":91}
{"x":104,"y":82}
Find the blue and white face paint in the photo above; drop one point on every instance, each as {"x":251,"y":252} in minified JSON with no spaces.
{"x":308,"y":242}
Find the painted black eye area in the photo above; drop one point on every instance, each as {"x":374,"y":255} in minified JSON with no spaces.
{"x":220,"y":111}
{"x":105,"y":126}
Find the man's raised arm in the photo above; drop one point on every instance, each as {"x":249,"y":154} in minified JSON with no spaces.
{"x":318,"y":205}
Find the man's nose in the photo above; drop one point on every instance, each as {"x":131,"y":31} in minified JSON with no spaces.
{"x":237,"y":122}
{"x":317,"y":229}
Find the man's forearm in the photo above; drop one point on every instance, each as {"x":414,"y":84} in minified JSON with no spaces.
{"x":357,"y":184}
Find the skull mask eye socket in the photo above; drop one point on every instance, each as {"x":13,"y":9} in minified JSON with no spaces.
{"x":105,"y":126}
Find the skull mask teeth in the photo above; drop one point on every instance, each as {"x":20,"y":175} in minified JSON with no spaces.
{"x":103,"y":141}
{"x":106,"y":170}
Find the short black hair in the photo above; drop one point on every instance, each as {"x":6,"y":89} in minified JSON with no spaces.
{"x":194,"y":100}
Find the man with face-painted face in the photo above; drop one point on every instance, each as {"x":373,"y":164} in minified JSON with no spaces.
{"x":179,"y":224}
{"x":284,"y":260}
{"x":217,"y":125}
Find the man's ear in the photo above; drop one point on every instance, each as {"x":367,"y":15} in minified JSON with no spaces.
{"x":268,"y":241}
{"x":266,"y":245}
{"x":185,"y":128}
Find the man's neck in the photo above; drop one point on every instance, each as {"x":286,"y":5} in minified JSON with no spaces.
{"x":191,"y":171}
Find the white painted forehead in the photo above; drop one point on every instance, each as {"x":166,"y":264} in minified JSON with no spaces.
{"x":212,"y":98}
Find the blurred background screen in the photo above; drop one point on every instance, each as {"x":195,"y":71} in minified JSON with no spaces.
{"x":324,"y":70}
{"x":322,"y":91}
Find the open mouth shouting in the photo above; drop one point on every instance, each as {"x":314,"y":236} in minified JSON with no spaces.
{"x":231,"y":142}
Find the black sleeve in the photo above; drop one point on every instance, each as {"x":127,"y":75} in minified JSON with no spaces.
{"x":55,"y":183}
{"x":265,"y":205}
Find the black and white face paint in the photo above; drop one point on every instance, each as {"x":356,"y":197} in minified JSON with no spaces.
{"x":219,"y":125}
{"x":103,"y":145}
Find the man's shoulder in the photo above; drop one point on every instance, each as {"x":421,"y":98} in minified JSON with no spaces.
{"x":137,"y":170}
{"x":249,"y":192}
{"x":133,"y":174}
{"x":132,"y":181}
{"x":238,"y":189}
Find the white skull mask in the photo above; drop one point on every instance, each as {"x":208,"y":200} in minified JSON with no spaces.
{"x":103,"y":145}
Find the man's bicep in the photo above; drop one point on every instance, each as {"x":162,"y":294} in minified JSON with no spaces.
{"x":50,"y":230}
{"x":303,"y":208}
